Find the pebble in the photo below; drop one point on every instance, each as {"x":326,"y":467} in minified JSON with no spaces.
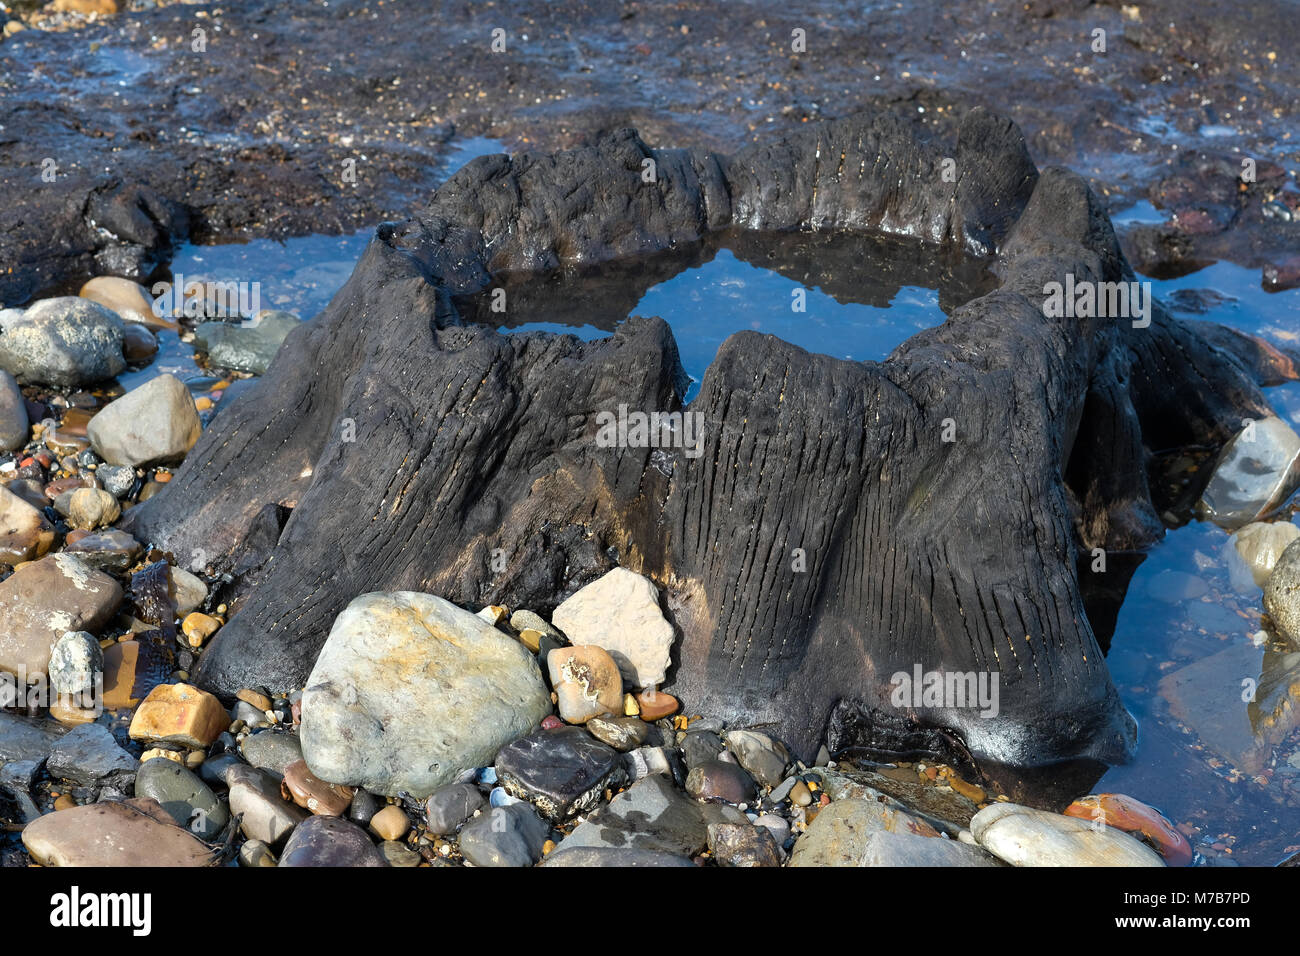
{"x":131,"y":301}
{"x":396,"y":664}
{"x":655,"y":705}
{"x":139,"y":345}
{"x":525,"y":620}
{"x":108,"y":550}
{"x":800,"y":795}
{"x":390,"y":823}
{"x":91,"y":508}
{"x":307,"y":790}
{"x":586,"y":681}
{"x":255,"y":699}
{"x":186,"y":798}
{"x":364,"y":806}
{"x":187,"y":590}
{"x":256,"y":853}
{"x":649,"y":761}
{"x":399,"y":854}
{"x":66,"y":342}
{"x":264,"y":814}
{"x":272,"y":751}
{"x":15,"y":428}
{"x":621,"y":733}
{"x":589,"y":856}
{"x":779,"y":826}
{"x":214,"y":770}
{"x":764,"y":758}
{"x":699,"y":746}
{"x":562,"y":772}
{"x":113,"y":834}
{"x":651,"y":815}
{"x":1134,"y":816}
{"x":76,"y":663}
{"x":450,"y":806}
{"x":620,"y":613}
{"x":1282,"y":593}
{"x":24,"y":533}
{"x":89,"y":755}
{"x":249,"y":346}
{"x":743,"y":844}
{"x":179,"y":714}
{"x":494,"y":614}
{"x":1255,"y":472}
{"x":42,"y":601}
{"x":504,"y":836}
{"x":117,"y":480}
{"x":198,"y":627}
{"x":1023,"y":836}
{"x":717,"y":780}
{"x":153,"y":424}
{"x":330,"y":841}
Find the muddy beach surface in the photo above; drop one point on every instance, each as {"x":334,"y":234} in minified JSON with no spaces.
{"x":153,"y":142}
{"x":186,"y":138}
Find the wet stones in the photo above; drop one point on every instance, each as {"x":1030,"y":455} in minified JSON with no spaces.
{"x":41,"y":602}
{"x":179,"y":714}
{"x":762,"y":757}
{"x":330,"y":841}
{"x":14,"y":426}
{"x":186,"y":590}
{"x":271,"y":751}
{"x":399,"y":663}
{"x":108,"y":550}
{"x":116,"y":479}
{"x":720,"y":780}
{"x":313,"y":794}
{"x":1282,"y":593}
{"x":91,"y":508}
{"x":139,"y":345}
{"x":75,"y":661}
{"x":650,"y":815}
{"x":88,"y":755}
{"x":186,"y":798}
{"x":1023,"y":836}
{"x":589,"y":856}
{"x":249,"y":346}
{"x":113,"y":833}
{"x":65,"y":342}
{"x":851,"y":832}
{"x":390,"y":823}
{"x":586,"y":681}
{"x":24,"y":532}
{"x":449,"y":807}
{"x":512,"y":835}
{"x":743,"y":844}
{"x":130,"y":300}
{"x":562,"y":772}
{"x":263,"y":814}
{"x":1135,"y":817}
{"x":620,"y":612}
{"x":155,"y":424}
{"x":621,"y":733}
{"x":1256,"y":471}
{"x":255,"y":853}
{"x":22,"y":738}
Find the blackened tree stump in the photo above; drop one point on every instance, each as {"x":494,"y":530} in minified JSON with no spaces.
{"x":392,"y":446}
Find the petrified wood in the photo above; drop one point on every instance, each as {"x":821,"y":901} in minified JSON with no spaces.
{"x":394,"y":445}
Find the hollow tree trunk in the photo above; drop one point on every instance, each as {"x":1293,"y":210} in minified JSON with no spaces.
{"x":407,"y":450}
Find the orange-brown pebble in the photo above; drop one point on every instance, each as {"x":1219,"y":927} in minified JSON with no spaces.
{"x":655,"y":704}
{"x":1133,"y":816}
